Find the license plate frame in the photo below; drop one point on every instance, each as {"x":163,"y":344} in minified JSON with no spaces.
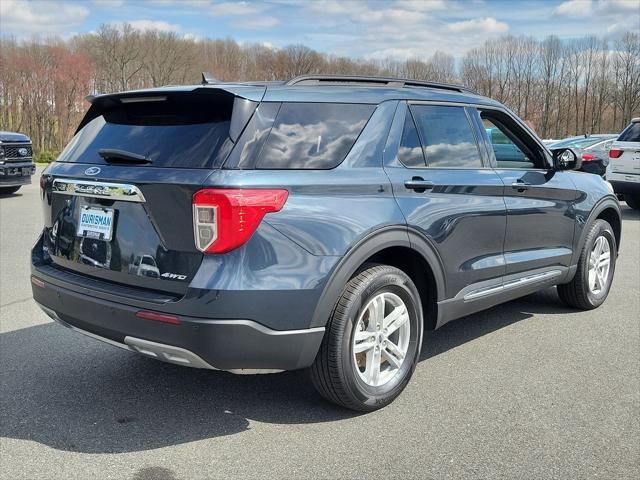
{"x":96,"y":222}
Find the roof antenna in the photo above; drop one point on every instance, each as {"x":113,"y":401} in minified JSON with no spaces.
{"x":208,"y":79}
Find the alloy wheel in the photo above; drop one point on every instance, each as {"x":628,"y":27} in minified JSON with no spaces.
{"x":599,"y":265}
{"x":381,"y":339}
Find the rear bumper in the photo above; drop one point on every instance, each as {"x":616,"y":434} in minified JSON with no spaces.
{"x":626,"y":186}
{"x":241,"y":346}
{"x":11,"y":174}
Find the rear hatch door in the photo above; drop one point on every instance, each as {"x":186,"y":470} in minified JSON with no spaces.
{"x":118,"y":203}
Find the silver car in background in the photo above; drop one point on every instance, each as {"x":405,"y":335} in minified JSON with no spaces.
{"x":593,"y":150}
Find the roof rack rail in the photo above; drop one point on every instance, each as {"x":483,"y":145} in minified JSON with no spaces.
{"x":373,"y":81}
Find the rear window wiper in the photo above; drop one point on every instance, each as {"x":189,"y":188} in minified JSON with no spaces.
{"x":114,"y":155}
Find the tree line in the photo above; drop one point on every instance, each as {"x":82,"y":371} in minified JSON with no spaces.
{"x":561,"y":87}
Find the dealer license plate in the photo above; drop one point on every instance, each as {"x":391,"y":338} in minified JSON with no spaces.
{"x":96,"y":223}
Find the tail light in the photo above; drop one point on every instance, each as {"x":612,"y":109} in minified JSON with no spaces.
{"x":588,"y":157}
{"x":615,"y":153}
{"x":224,"y":219}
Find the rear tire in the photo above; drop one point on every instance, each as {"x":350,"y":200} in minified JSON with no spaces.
{"x":591,"y":284}
{"x":8,"y":190}
{"x":372,"y":340}
{"x":633,"y":201}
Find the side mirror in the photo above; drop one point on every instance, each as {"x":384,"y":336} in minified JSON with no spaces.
{"x":565,"y":159}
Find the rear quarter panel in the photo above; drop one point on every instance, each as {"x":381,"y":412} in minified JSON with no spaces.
{"x":279,"y":276}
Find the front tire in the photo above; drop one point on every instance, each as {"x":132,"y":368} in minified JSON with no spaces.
{"x":591,"y":284}
{"x":633,"y":201}
{"x":372,"y":340}
{"x":8,"y":190}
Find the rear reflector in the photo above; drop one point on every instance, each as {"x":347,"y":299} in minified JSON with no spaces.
{"x":158,"y":317}
{"x":37,"y":282}
{"x":588,"y":157}
{"x":224,"y":219}
{"x":614,"y":153}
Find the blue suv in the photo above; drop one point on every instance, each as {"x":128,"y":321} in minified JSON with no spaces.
{"x":321,"y":223}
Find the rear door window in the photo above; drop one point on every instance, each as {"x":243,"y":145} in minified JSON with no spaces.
{"x":631,"y":133}
{"x":313,"y":135}
{"x":447,"y":136}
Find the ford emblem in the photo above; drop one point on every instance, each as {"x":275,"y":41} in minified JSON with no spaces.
{"x":92,"y":171}
{"x":23,"y":152}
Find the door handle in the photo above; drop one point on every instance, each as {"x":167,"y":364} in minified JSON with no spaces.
{"x":418,"y":184}
{"x":520,"y":185}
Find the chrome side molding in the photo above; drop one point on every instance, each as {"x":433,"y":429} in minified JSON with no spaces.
{"x":511,"y":284}
{"x":112,"y":191}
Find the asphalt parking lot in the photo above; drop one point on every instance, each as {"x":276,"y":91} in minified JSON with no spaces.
{"x":529,"y":389}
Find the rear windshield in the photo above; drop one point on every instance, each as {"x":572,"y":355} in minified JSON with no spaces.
{"x":631,"y":133}
{"x":188,"y":131}
{"x":313,"y":135}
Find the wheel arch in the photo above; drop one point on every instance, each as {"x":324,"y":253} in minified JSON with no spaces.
{"x":613,"y":218}
{"x":396,"y":246}
{"x":606,"y":209}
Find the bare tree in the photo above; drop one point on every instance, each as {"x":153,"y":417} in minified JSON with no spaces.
{"x":563,"y":87}
{"x":627,"y":74}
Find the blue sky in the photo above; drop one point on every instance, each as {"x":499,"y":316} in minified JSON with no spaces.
{"x":369,"y":29}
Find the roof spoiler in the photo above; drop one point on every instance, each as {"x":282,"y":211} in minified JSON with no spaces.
{"x":252,"y":93}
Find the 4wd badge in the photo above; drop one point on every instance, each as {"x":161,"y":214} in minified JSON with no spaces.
{"x":173,"y":276}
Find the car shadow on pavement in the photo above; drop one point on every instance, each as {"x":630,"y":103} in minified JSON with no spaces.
{"x":629,"y":214}
{"x":474,"y":326}
{"x":72,"y":393}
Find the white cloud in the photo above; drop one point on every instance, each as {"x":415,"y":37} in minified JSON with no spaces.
{"x":615,"y":16}
{"x":334,"y":7}
{"x":40,"y":17}
{"x":586,"y":8}
{"x":574,"y":8}
{"x":620,"y":6}
{"x":423,"y":5}
{"x":108,"y":3}
{"x":257,"y":23}
{"x":400,"y":30}
{"x":191,"y":3}
{"x":145,"y":25}
{"x":236,"y":8}
{"x":392,"y":15}
{"x":360,"y":12}
{"x":248,"y":11}
{"x":486,"y":25}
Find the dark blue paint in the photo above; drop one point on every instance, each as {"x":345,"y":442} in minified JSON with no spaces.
{"x":470,"y":225}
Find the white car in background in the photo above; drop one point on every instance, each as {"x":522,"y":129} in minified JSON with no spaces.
{"x":623,"y":171}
